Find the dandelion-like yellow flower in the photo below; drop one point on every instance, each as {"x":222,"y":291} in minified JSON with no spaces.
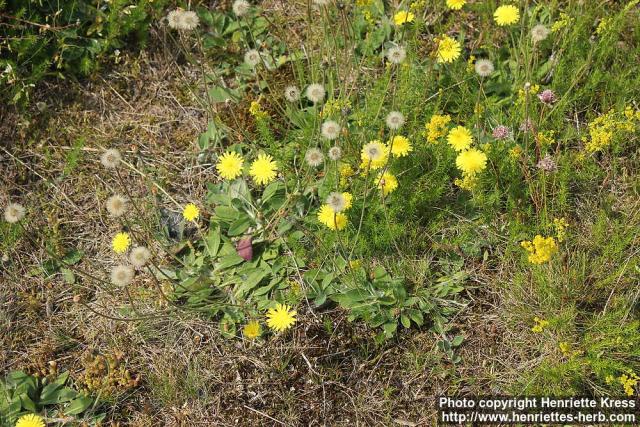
{"x":506,"y":15}
{"x":281,"y":318}
{"x":460,"y":138}
{"x":400,"y":146}
{"x":252,"y":330}
{"x":456,"y":4}
{"x":471,"y":161}
{"x":30,"y":420}
{"x":121,"y":242}
{"x":448,"y":49}
{"x":387,"y":182}
{"x":332,"y":219}
{"x":229,"y":165}
{"x":541,"y":249}
{"x":190,"y":212}
{"x":263,"y":169}
{"x":402,"y":17}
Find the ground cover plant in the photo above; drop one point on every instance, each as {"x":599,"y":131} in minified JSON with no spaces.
{"x":374,"y":202}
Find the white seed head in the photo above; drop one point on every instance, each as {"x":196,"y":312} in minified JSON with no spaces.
{"x":314,"y":157}
{"x":373,"y":151}
{"x":539,"y":33}
{"x":188,"y":20}
{"x":396,"y":54}
{"x":110,"y":158}
{"x":240,"y":7}
{"x":337,"y":201}
{"x":315,"y":92}
{"x":330,"y":130}
{"x":252,"y":57}
{"x":395,"y":120}
{"x":14,"y":212}
{"x":139,"y":256}
{"x":484,"y":67}
{"x":292,"y":93}
{"x":116,"y":205}
{"x":335,"y":153}
{"x":121,"y":275}
{"x":173,"y":19}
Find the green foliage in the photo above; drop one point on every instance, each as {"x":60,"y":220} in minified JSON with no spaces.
{"x":22,"y":394}
{"x":64,"y":39}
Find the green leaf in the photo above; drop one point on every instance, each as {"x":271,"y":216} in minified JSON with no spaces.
{"x":68,"y":276}
{"x":73,"y":257}
{"x":404,"y":319}
{"x":213,"y":241}
{"x":221,"y":94}
{"x":79,"y":405}
{"x":229,"y":261}
{"x":457,"y":340}
{"x":239,"y":226}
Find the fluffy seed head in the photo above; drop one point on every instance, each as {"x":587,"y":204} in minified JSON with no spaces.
{"x":539,"y":33}
{"x":314,"y":157}
{"x":240,"y":7}
{"x":484,"y":67}
{"x":396,"y":54}
{"x":335,"y":153}
{"x":315,"y":92}
{"x":547,"y":164}
{"x":173,"y":19}
{"x":111,"y":158}
{"x":292,"y":93}
{"x":395,"y":120}
{"x":139,"y":256}
{"x":252,"y":57}
{"x":121,"y":275}
{"x":14,"y":212}
{"x":188,"y":20}
{"x":116,"y":205}
{"x":337,"y":201}
{"x":330,"y":129}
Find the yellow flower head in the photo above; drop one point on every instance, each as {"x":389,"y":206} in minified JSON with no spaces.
{"x":281,"y":318}
{"x":387,"y":182}
{"x":374,"y":155}
{"x":400,"y":146}
{"x":30,"y":420}
{"x":448,"y":49}
{"x":471,"y":161}
{"x":252,"y":330}
{"x":229,"y":165}
{"x":403,"y":16}
{"x":190,"y":212}
{"x":348,"y":200}
{"x":263,"y":169}
{"x":541,"y":249}
{"x":121,"y":242}
{"x":332,"y":219}
{"x":506,"y":15}
{"x":460,"y":138}
{"x":539,"y":325}
{"x":456,"y":4}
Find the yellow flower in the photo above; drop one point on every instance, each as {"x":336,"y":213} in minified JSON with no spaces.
{"x":354,"y":264}
{"x":515,"y":152}
{"x":460,"y":138}
{"x":374,"y":155}
{"x":400,"y":146}
{"x":333,"y":220}
{"x":229,"y":165}
{"x":402,"y":17}
{"x":348,"y":200}
{"x":263,"y":169}
{"x":30,"y":420}
{"x":539,"y":325}
{"x":437,"y":127}
{"x":468,"y":182}
{"x":252,"y":330}
{"x":560,"y":224}
{"x":387,"y":182}
{"x":471,"y":161}
{"x":121,"y":242}
{"x":629,"y":382}
{"x":190,"y":212}
{"x":541,"y":249}
{"x":506,"y":15}
{"x":281,"y":318}
{"x":456,"y":4}
{"x":448,"y":49}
